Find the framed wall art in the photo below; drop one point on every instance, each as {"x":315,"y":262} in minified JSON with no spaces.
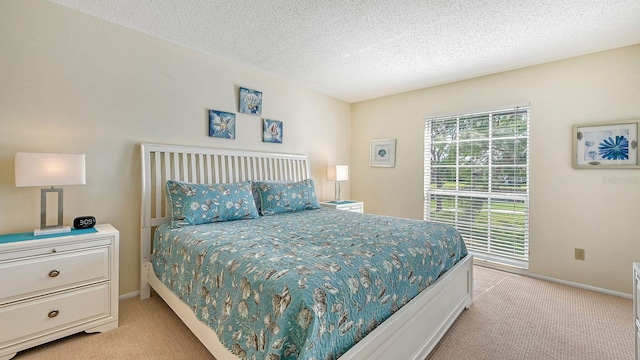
{"x":383,"y":152}
{"x":272,"y":131}
{"x":222,"y":124}
{"x":610,"y":145}
{"x":250,"y":101}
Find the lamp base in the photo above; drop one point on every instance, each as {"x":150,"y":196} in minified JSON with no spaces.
{"x":53,"y":230}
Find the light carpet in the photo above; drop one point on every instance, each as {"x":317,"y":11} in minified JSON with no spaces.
{"x":512,"y":318}
{"x":520,"y":318}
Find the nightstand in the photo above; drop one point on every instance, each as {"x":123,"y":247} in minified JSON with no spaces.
{"x":53,"y":286}
{"x":348,"y":205}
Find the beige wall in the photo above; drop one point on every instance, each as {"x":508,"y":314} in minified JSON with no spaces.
{"x":569,"y":208}
{"x":72,"y":83}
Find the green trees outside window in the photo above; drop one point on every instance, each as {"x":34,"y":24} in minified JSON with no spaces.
{"x":476,"y":179}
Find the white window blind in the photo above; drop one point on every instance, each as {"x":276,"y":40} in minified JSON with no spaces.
{"x":476,"y":178}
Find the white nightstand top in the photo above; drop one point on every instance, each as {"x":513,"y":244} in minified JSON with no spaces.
{"x":333,"y":202}
{"x":26,"y":236}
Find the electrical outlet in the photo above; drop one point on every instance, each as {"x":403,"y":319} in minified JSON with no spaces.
{"x":579,"y":254}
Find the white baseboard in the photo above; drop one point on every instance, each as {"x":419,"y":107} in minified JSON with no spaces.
{"x":526,"y":272}
{"x":129,"y":295}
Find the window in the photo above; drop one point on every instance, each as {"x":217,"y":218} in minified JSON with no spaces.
{"x":476,"y":178}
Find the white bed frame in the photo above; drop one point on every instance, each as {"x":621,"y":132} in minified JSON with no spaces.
{"x":411,"y":333}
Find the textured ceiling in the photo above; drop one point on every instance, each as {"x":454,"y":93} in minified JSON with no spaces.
{"x":361,"y":49}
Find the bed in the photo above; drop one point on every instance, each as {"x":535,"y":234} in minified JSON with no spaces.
{"x":300,"y":313}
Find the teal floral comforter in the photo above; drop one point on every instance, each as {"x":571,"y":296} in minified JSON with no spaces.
{"x":302,"y":285}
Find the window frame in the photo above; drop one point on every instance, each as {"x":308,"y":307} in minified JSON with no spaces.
{"x":519,"y":258}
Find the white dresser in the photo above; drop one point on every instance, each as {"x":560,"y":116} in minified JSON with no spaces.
{"x":57,"y":286}
{"x":348,"y":205}
{"x":636,"y":306}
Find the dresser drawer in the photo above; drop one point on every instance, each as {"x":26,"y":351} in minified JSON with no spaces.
{"x":40,"y":274}
{"x":347,"y":205}
{"x":30,"y":319}
{"x":637,"y":303}
{"x":636,"y":307}
{"x":637,"y":344}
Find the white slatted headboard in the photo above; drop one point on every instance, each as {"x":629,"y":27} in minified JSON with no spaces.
{"x":202,"y":165}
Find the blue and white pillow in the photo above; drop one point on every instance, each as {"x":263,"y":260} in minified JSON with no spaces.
{"x":194,"y":204}
{"x":277,"y":198}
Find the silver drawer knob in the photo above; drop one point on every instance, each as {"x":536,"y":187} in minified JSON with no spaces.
{"x":54,"y":273}
{"x":53,"y":313}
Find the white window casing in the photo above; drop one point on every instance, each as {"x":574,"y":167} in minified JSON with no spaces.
{"x":476,"y":178}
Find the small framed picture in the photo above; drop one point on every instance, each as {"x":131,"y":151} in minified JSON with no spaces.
{"x":272,"y":131}
{"x":222,"y":124}
{"x":250,"y":101}
{"x":383,"y":153}
{"x":612,"y":145}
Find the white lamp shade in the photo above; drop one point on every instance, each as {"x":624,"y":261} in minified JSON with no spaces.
{"x":338,"y":172}
{"x":43,"y":169}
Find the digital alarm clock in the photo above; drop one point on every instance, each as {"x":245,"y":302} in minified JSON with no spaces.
{"x":84,"y":222}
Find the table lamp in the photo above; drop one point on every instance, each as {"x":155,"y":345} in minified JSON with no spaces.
{"x":44,"y":169}
{"x":337,"y":173}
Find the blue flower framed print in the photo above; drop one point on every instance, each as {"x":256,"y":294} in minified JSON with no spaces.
{"x":250,"y":101}
{"x":222,"y":124}
{"x":606,"y":145}
{"x":272,"y":131}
